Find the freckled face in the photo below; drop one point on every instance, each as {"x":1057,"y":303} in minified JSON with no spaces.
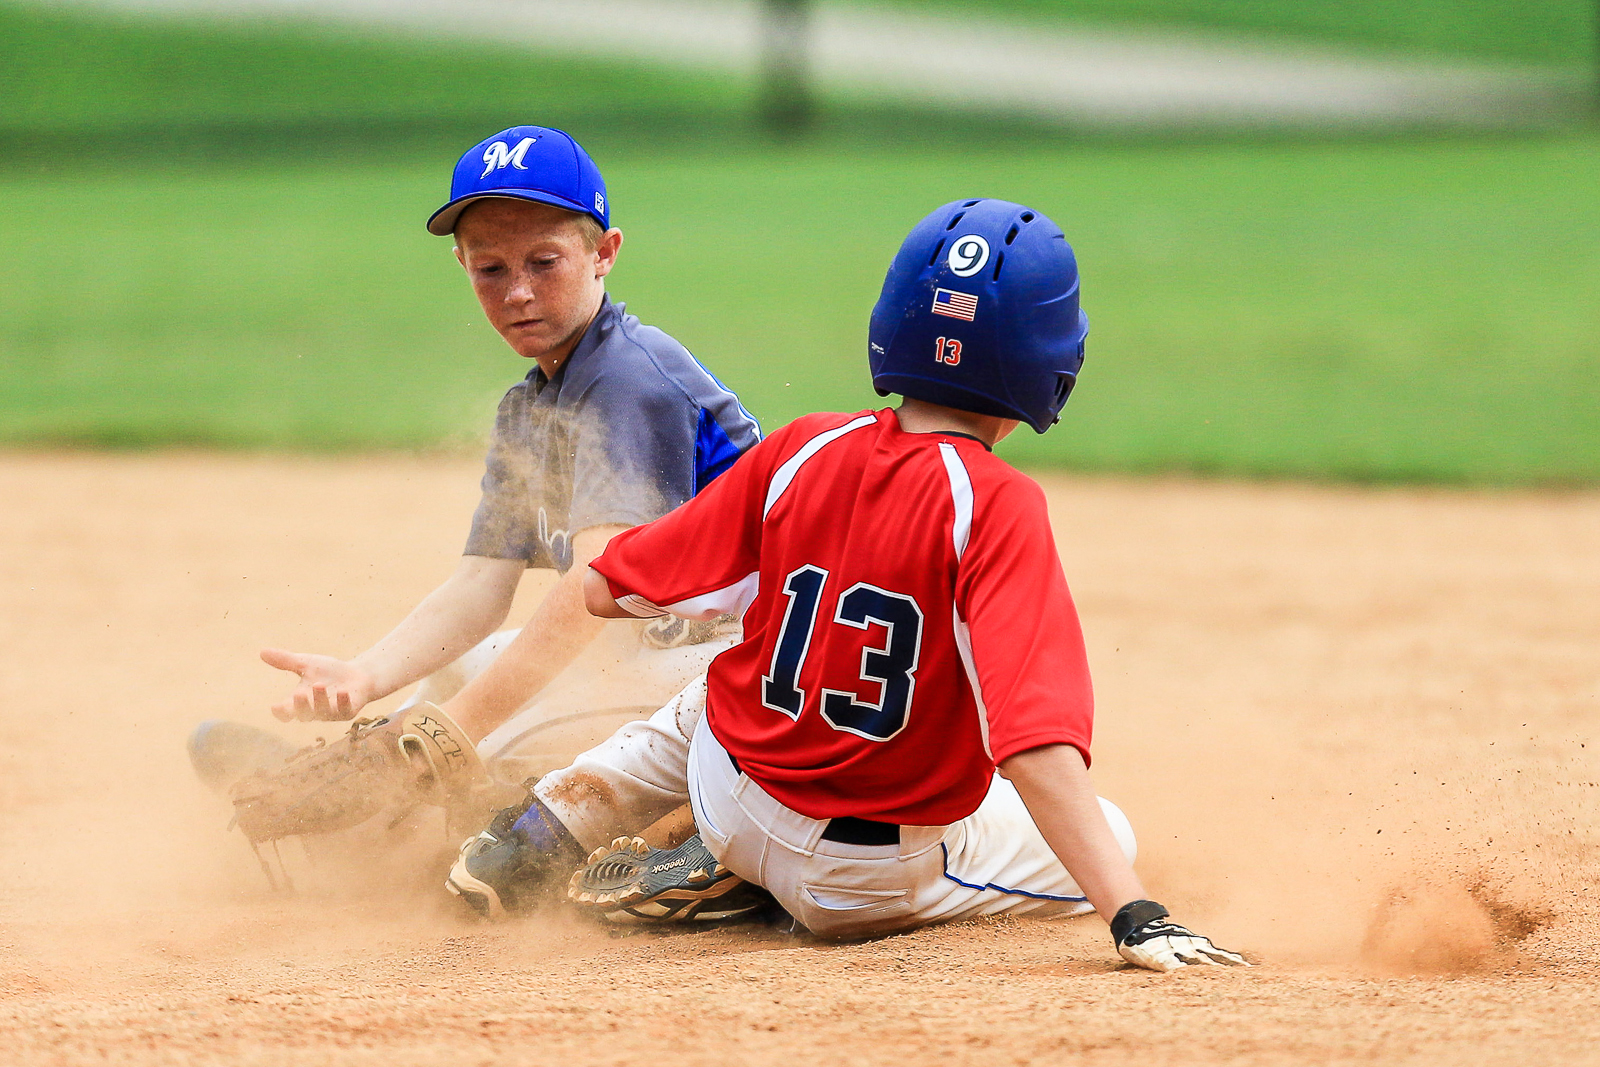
{"x":534,"y":274}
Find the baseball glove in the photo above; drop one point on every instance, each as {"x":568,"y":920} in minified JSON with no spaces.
{"x":414,"y":756}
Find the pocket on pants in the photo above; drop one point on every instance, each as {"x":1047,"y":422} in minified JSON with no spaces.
{"x":847,"y":911}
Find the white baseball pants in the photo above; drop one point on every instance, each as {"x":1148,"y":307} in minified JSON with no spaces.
{"x":994,"y":861}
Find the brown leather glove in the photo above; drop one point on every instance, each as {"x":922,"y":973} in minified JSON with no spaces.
{"x":414,"y":756}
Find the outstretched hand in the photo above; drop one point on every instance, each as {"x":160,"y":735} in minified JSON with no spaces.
{"x":1146,"y":938}
{"x":329,"y":688}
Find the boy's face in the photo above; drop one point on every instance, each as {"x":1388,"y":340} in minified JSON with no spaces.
{"x":534,"y":273}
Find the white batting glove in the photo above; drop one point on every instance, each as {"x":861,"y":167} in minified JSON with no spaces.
{"x":1146,"y":939}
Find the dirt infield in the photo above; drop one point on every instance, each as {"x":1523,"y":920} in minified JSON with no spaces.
{"x":1350,"y":726}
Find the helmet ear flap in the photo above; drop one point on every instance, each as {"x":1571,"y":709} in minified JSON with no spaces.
{"x":1064,"y":384}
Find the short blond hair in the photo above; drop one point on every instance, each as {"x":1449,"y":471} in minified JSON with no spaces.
{"x":591,"y":230}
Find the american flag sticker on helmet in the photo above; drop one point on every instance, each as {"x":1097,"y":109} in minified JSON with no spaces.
{"x":955,"y":305}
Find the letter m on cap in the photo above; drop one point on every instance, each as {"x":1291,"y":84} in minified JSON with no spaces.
{"x":497,"y":155}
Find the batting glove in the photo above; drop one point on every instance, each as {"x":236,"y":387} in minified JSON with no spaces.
{"x":1146,"y":939}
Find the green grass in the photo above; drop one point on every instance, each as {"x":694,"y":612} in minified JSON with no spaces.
{"x":102,"y":75}
{"x":1558,"y":32}
{"x":1373,"y":311}
{"x":91,"y":78}
{"x":239,"y":260}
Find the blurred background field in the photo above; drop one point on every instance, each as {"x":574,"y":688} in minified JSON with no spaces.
{"x":214,"y":238}
{"x":1548,"y":31}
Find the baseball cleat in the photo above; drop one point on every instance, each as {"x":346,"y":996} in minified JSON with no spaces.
{"x":630,"y":882}
{"x":509,"y":866}
{"x":487,"y":856}
{"x":223,"y":752}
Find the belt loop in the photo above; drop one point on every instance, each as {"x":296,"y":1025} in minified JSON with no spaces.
{"x":915,"y":840}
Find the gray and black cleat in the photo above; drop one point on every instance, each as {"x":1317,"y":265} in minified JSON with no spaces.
{"x":223,"y":752}
{"x":516,"y":861}
{"x":630,"y":882}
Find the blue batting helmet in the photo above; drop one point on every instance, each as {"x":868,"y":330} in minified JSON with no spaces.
{"x":980,"y":311}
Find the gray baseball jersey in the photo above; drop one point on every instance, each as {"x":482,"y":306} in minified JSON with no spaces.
{"x":630,"y":427}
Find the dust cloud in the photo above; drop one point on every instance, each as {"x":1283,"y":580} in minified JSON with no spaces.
{"x":1334,"y":712}
{"x":1353,"y":729}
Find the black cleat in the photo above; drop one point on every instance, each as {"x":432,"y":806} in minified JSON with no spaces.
{"x":510,"y":866}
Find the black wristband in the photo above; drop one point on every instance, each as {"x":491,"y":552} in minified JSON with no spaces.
{"x":1133,"y":915}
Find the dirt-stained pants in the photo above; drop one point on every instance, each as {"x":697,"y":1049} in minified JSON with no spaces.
{"x":992,"y":862}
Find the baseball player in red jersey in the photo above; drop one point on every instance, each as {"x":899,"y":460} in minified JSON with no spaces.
{"x":907,"y":632}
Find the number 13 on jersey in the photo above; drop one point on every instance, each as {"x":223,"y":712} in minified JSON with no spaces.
{"x":893,"y":665}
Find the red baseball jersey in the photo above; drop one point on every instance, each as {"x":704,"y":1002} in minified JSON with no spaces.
{"x":906,"y":621}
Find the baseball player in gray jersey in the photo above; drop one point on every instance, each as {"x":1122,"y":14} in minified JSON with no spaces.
{"x":615,"y":425}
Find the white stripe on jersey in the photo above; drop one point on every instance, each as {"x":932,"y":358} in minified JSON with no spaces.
{"x":960,"y":533}
{"x":791,"y":466}
{"x":729,"y":600}
{"x":964,"y":646}
{"x":639,"y":607}
{"x":960,"y":495}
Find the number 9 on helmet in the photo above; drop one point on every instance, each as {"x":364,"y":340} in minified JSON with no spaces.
{"x":997,"y":283}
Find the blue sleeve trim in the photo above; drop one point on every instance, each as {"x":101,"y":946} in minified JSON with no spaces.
{"x":694,"y":397}
{"x":945,"y":852}
{"x":714,"y":450}
{"x":754,"y":423}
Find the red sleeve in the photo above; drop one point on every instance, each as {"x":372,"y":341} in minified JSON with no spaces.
{"x":1027,"y":644}
{"x":700,"y":559}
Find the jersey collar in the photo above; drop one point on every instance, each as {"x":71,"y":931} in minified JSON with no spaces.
{"x":894,"y":416}
{"x":958,"y":433}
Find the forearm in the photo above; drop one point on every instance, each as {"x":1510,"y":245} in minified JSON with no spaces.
{"x":470,"y":605}
{"x":551,"y":639}
{"x":1055,"y":785}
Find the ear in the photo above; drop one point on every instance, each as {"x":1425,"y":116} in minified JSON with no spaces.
{"x":606,"y":252}
{"x":461,"y":257}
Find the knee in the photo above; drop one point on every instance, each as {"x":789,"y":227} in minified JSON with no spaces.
{"x":1121,"y":829}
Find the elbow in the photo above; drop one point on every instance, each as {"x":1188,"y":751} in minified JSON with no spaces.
{"x":597,"y":598}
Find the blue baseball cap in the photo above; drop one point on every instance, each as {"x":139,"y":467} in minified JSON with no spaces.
{"x":533,"y":163}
